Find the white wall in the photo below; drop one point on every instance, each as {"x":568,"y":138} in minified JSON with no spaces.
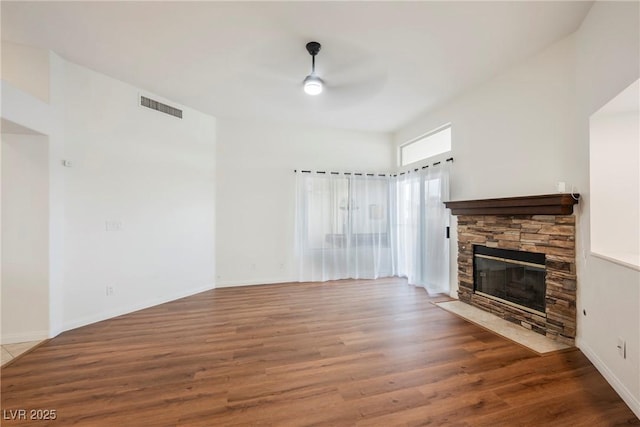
{"x":24,"y":110}
{"x":255,"y":190}
{"x":527,"y":129}
{"x":607,"y":58}
{"x":55,"y":114}
{"x":150,"y":174}
{"x":27,"y":68}
{"x":25,"y":242}
{"x":152,"y":177}
{"x":509,"y":136}
{"x":25,"y":90}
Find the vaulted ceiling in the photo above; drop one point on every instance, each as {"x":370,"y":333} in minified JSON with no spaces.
{"x":384,"y":62}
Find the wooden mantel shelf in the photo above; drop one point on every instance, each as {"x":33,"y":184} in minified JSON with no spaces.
{"x":548,"y":204}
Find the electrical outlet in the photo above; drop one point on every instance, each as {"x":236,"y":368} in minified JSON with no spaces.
{"x":562,"y":187}
{"x":622,"y":348}
{"x":109,"y":291}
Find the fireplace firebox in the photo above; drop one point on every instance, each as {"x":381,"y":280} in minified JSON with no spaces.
{"x":513,"y":277}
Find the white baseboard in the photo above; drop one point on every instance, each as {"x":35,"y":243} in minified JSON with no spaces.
{"x":632,"y":401}
{"x":76,"y":323}
{"x":24,"y":337}
{"x":234,"y":283}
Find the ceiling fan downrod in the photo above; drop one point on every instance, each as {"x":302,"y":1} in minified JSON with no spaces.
{"x":313,"y":84}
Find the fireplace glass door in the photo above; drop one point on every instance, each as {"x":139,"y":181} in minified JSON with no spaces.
{"x":519,"y":282}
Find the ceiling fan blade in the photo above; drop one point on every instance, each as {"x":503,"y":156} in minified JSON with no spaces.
{"x":354,"y":92}
{"x":351,"y":74}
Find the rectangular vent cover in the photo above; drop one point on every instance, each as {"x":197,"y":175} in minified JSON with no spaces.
{"x":159,"y":106}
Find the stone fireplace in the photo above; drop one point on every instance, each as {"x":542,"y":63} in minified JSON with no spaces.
{"x":516,"y":259}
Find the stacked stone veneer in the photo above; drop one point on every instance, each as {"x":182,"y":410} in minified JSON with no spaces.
{"x":552,"y":235}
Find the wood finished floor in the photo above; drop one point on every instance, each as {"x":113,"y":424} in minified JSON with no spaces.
{"x":365,"y":353}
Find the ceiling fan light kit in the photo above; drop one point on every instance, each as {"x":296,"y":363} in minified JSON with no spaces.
{"x":313,"y":84}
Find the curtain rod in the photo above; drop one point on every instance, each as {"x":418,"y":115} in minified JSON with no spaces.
{"x":450,"y":159}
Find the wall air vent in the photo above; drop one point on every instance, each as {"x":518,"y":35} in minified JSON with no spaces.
{"x":159,"y":106}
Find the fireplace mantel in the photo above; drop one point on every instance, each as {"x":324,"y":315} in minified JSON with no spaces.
{"x":547,"y":204}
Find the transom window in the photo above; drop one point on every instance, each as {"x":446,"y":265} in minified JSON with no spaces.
{"x":435,"y":142}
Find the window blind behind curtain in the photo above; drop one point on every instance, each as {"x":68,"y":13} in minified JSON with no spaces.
{"x":370,"y":226}
{"x":343,"y":227}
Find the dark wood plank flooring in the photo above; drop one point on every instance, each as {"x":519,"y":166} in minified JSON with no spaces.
{"x":344,"y":353}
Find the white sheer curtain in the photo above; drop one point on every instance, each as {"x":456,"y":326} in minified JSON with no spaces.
{"x":342,"y":226}
{"x":363,"y":226}
{"x":421,"y":248}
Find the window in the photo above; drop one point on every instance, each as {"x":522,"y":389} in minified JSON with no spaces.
{"x":422,"y":250}
{"x":343,"y":226}
{"x":346,"y":211}
{"x":368,"y":225}
{"x":327,"y":211}
{"x":432,"y":144}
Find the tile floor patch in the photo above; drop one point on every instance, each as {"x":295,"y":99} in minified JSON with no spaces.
{"x":18,"y":348}
{"x":534,"y":341}
{"x":5,"y":356}
{"x":11,"y":351}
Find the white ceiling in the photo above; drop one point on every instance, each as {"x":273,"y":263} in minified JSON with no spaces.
{"x":384,"y":62}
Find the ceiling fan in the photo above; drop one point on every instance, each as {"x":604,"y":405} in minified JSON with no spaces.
{"x":313,"y":84}
{"x":346,"y":75}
